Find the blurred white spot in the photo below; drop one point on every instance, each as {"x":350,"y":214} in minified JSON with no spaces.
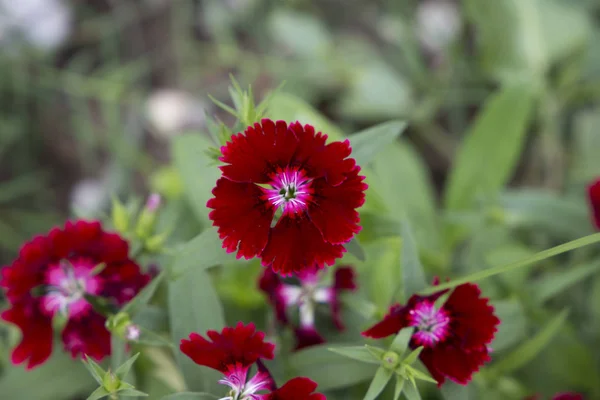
{"x":44,"y":24}
{"x":171,"y":111}
{"x":438,"y":24}
{"x":88,"y":197}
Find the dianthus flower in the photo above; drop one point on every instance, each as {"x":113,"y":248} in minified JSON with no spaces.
{"x":306,"y":296}
{"x":454,"y":337}
{"x":594,"y":201}
{"x":289,"y":174}
{"x":53,"y":274}
{"x":233,"y":351}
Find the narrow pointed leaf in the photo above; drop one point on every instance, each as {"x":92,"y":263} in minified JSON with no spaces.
{"x":542,"y":255}
{"x":375,"y":351}
{"x":353,"y":247}
{"x":411,"y":392}
{"x":399,"y":387}
{"x":367,"y":143}
{"x":413,"y":276}
{"x":360,"y":353}
{"x":98,"y":394}
{"x":123,"y":370}
{"x":131,"y":393}
{"x":553,"y":284}
{"x":415,"y":373}
{"x":412,"y":357}
{"x":95,"y":370}
{"x":144,"y":296}
{"x":204,"y":251}
{"x":379,"y":382}
{"x":400,"y":343}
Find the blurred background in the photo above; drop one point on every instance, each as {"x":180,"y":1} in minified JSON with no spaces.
{"x":93,"y":93}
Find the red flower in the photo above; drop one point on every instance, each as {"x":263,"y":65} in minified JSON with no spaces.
{"x":559,"y":396}
{"x":240,"y":346}
{"x":306,"y":296}
{"x":455,"y":336}
{"x":316,"y":187}
{"x":65,"y":265}
{"x":233,"y":352}
{"x":594,"y":200}
{"x":296,"y":389}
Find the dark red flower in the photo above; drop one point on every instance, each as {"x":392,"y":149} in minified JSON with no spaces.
{"x":296,"y":389}
{"x":64,"y":266}
{"x":241,"y":345}
{"x":316,"y":187}
{"x":594,"y":200}
{"x":455,"y":337}
{"x":306,"y":297}
{"x":559,"y":396}
{"x":233,"y":352}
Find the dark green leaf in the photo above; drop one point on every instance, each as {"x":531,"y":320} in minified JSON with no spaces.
{"x":370,"y":142}
{"x":379,"y":382}
{"x":98,"y":394}
{"x":144,"y":296}
{"x":413,"y":276}
{"x":124,"y":369}
{"x":194,"y":307}
{"x":202,"y":252}
{"x":491,"y":148}
{"x":360,"y":353}
{"x":353,"y":247}
{"x":555,"y":283}
{"x":329,"y":370}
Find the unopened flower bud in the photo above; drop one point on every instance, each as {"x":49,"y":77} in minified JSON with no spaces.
{"x":390,"y":360}
{"x":145,"y":224}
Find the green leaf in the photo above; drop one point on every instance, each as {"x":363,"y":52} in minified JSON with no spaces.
{"x":399,"y":387}
{"x":513,"y":325}
{"x":400,"y":343}
{"x":124,"y":369}
{"x":190,"y":396}
{"x":529,"y":349}
{"x":98,"y":394}
{"x":367,"y":144}
{"x":564,"y":218}
{"x":554,"y":283}
{"x":542,"y":255}
{"x":454,"y":391}
{"x":290,"y":108}
{"x":96,"y":370}
{"x":360,"y":353}
{"x":400,"y":185}
{"x":194,"y":307}
{"x":144,"y":296}
{"x":491,"y":148}
{"x":202,"y":252}
{"x":383,"y":264}
{"x":118,"y":352}
{"x":196,"y":170}
{"x":330,"y":370}
{"x":411,"y":392}
{"x":379,"y":382}
{"x":131,"y":393}
{"x":301,"y":33}
{"x":413,"y":276}
{"x":375,"y":351}
{"x":412,"y":357}
{"x":353,"y":247}
{"x":415,"y":373}
{"x":58,"y":378}
{"x":533,"y":42}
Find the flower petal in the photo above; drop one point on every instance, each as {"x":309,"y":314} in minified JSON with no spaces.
{"x":87,"y":336}
{"x":270,"y":283}
{"x":241,"y":345}
{"x":253,"y":155}
{"x":344,"y":279}
{"x":242,"y":218}
{"x":306,"y":337}
{"x":300,"y":388}
{"x":594,"y":201}
{"x":392,"y":323}
{"x":333,"y":209}
{"x":296,"y":245}
{"x":453,"y":362}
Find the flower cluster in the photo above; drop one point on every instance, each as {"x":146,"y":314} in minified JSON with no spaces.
{"x":305,"y":297}
{"x":287,"y":197}
{"x":54,"y":275}
{"x":454,"y":336}
{"x":233,"y":352}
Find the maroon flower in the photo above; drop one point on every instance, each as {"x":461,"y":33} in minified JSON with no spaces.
{"x":233,"y":352}
{"x":455,"y":337}
{"x":297,"y":389}
{"x":306,"y":296}
{"x":594,"y":200}
{"x":64,"y":266}
{"x":314,"y":187}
